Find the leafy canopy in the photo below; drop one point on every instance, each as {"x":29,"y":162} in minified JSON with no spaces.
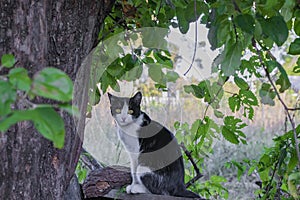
{"x":238,"y":29}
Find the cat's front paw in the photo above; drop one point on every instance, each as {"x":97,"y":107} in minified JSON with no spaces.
{"x":128,"y":189}
{"x":136,"y":189}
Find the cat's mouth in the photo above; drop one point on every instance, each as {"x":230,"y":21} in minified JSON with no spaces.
{"x":123,"y":123}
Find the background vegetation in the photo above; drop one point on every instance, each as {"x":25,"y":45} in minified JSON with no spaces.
{"x":235,"y":112}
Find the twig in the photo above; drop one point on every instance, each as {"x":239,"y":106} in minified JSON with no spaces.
{"x":198,"y":174}
{"x":296,"y":105}
{"x":160,"y":5}
{"x":293,"y":109}
{"x":119,"y":22}
{"x":236,"y":7}
{"x":89,"y":161}
{"x":196,"y":39}
{"x":215,"y":97}
{"x":268,"y":187}
{"x":233,"y":93}
{"x":280,"y":99}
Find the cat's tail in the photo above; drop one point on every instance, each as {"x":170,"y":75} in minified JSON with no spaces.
{"x":186,"y":193}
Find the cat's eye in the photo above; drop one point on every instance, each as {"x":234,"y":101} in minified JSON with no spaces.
{"x":118,"y":110}
{"x":130,"y":112}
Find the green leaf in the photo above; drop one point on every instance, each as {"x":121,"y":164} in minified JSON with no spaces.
{"x":177,"y":125}
{"x":287,"y":9}
{"x":248,"y":97}
{"x":154,"y":37}
{"x":183,"y":23}
{"x":231,"y":130}
{"x":14,"y":117}
{"x":7,"y":97}
{"x":293,"y":161}
{"x":218,"y":114}
{"x":200,"y":8}
{"x":161,"y":87}
{"x":133,"y":74}
{"x":163,"y":60}
{"x":195,"y":90}
{"x":19,"y":78}
{"x":283,"y":80}
{"x":229,"y":135}
{"x":72,"y":110}
{"x":54,"y":84}
{"x":128,"y":62}
{"x":234,"y":103}
{"x":241,"y":169}
{"x":172,"y":76}
{"x":50,"y":125}
{"x":293,"y":182}
{"x":218,"y":179}
{"x":107,"y":80}
{"x":241,"y":83}
{"x":212,"y":37}
{"x":295,"y":47}
{"x":251,"y":169}
{"x":116,"y":69}
{"x":245,"y":22}
{"x":81,"y":172}
{"x":200,"y":91}
{"x":200,"y":130}
{"x":271,"y":65}
{"x":45,"y":120}
{"x":148,"y":60}
{"x":94,"y":97}
{"x":8,"y":60}
{"x":275,"y":28}
{"x":232,"y":59}
{"x":248,"y":101}
{"x":156,"y":74}
{"x":296,"y":69}
{"x":297,"y":26}
{"x":223,"y":28}
{"x":267,"y":94}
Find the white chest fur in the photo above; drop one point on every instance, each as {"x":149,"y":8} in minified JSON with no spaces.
{"x":129,"y":137}
{"x":130,"y":142}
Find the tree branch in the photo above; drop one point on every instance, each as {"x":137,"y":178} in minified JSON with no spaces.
{"x":293,"y":109}
{"x":196,"y":39}
{"x":88,"y":161}
{"x":198,"y":174}
{"x":254,"y":43}
{"x":269,"y":186}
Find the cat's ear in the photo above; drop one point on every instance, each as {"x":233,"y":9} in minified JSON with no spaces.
{"x":137,"y":98}
{"x":111,"y":97}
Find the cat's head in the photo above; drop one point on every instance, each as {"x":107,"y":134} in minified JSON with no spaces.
{"x":125,"y":110}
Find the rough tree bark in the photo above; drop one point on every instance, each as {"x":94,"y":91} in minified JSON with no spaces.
{"x":40,"y":34}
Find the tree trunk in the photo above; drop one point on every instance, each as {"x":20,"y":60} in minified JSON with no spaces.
{"x":41,"y":34}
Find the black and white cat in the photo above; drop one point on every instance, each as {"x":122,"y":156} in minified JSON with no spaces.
{"x":155,"y":156}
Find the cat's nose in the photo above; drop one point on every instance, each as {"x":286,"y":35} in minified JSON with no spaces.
{"x":123,"y":119}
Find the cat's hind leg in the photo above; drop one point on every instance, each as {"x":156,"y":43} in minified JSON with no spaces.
{"x":153,"y":183}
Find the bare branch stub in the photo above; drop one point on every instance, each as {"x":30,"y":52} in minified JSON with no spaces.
{"x":101,"y":181}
